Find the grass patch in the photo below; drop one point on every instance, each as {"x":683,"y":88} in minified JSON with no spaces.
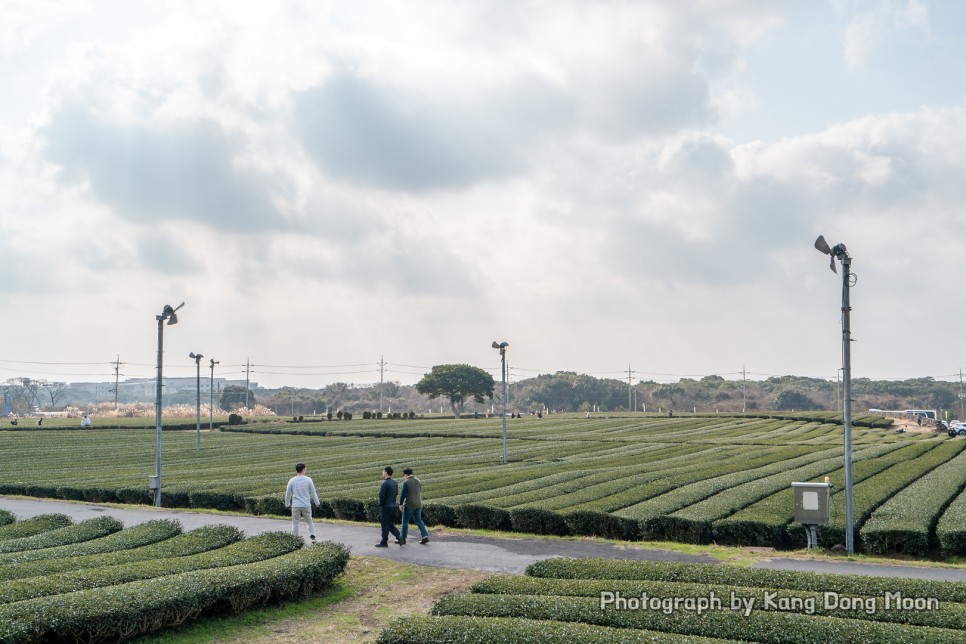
{"x":372,"y":593}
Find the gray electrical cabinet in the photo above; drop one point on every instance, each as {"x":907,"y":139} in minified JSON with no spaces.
{"x":153,"y":482}
{"x":812,"y":503}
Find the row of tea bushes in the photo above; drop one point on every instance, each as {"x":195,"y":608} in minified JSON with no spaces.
{"x":55,"y":560}
{"x":753,"y":605}
{"x":103,"y":583}
{"x":906,"y":522}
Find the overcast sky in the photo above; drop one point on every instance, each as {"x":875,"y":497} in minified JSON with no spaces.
{"x":599,"y":184}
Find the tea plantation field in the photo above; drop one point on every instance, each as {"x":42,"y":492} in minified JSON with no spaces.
{"x":697,"y":479}
{"x":95,"y":581}
{"x":597,"y":600}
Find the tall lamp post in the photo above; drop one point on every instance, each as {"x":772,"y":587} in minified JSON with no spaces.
{"x":197,"y":358}
{"x":169,"y":314}
{"x":502,"y":347}
{"x":848,"y":279}
{"x":211,"y":396}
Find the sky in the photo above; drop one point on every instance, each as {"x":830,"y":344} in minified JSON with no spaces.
{"x":615,"y":185}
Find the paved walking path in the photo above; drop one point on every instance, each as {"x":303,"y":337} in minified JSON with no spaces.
{"x":451,"y":551}
{"x":489,"y":554}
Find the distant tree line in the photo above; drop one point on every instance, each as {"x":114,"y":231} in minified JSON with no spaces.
{"x":563,"y":391}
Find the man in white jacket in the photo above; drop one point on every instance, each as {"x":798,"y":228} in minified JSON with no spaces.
{"x":300,"y":495}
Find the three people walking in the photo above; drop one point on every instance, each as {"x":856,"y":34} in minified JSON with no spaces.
{"x":300,"y":496}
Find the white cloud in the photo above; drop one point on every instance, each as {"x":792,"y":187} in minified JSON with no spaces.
{"x":325,"y":181}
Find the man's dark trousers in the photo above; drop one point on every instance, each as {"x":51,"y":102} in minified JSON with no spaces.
{"x":387,"y":514}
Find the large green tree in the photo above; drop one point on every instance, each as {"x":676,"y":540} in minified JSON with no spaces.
{"x":457,"y":382}
{"x":233,"y":397}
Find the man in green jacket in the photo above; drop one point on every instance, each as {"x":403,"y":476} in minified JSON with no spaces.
{"x":411,"y":504}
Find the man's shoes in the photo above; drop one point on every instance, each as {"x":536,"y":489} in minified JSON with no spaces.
{"x":401,"y":542}
{"x":312,"y":538}
{"x":382,"y":545}
{"x":424,"y":541}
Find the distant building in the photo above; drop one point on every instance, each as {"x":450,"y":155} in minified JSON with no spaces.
{"x":145,"y":389}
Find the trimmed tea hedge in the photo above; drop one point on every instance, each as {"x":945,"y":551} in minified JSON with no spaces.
{"x":951,"y":530}
{"x":952,"y":615}
{"x":951,"y":591}
{"x":33,"y":563}
{"x":6,"y":517}
{"x":83,"y":531}
{"x":771,"y":627}
{"x":445,"y":629}
{"x":906,"y":522}
{"x":140,"y":535}
{"x":129,"y":610}
{"x":257,"y":548}
{"x":34,"y":525}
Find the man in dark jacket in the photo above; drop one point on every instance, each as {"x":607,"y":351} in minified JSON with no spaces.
{"x":387,"y":507}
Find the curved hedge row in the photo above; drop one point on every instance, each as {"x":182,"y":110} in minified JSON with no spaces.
{"x":198,"y":540}
{"x":694,"y":523}
{"x":766,"y":523}
{"x":906,"y":523}
{"x":770,"y":627}
{"x":257,"y":548}
{"x":952,"y":616}
{"x":83,"y":531}
{"x":445,"y":629}
{"x":872,"y":492}
{"x":34,"y":525}
{"x":951,"y":529}
{"x":947,"y":591}
{"x":140,"y":535}
{"x":132,"y":609}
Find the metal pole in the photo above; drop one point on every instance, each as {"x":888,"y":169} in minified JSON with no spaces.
{"x":503,"y":371}
{"x":211,"y":397}
{"x":157,"y":415}
{"x":198,"y":405}
{"x":847,"y":399}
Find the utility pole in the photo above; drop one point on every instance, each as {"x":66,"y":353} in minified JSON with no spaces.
{"x":962,"y":413}
{"x":382,"y":368}
{"x":744,"y":406}
{"x":211,"y":396}
{"x":117,"y":372}
{"x":629,"y":405}
{"x":248,"y":369}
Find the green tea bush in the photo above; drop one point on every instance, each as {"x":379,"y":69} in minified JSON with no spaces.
{"x":951,"y":529}
{"x":445,"y":629}
{"x":950,"y":615}
{"x":872,"y":492}
{"x":439,"y":514}
{"x":482,"y":517}
{"x":348,"y":509}
{"x":6,"y":518}
{"x":140,"y":535}
{"x":83,"y":531}
{"x":562,"y":568}
{"x":536,"y":521}
{"x":32,"y":563}
{"x":34,"y":525}
{"x":906,"y":523}
{"x":763,"y":626}
{"x":215,"y":500}
{"x":263,"y":546}
{"x":129,"y":610}
{"x":593,"y":523}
